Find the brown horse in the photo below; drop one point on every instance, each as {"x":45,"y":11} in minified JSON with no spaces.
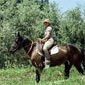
{"x":68,"y":55}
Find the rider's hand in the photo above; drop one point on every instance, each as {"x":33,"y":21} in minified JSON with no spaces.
{"x":43,"y":41}
{"x":39,"y":40}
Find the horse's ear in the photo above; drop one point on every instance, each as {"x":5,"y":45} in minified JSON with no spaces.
{"x":18,"y":34}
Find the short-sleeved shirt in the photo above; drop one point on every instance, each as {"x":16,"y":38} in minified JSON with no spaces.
{"x":48,"y":29}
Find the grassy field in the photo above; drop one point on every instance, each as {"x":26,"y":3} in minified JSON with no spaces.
{"x":51,"y":76}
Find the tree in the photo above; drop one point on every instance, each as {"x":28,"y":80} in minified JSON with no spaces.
{"x":72,"y":29}
{"x":26,"y":17}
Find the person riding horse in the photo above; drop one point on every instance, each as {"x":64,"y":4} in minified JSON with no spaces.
{"x":47,"y":40}
{"x":67,"y":55}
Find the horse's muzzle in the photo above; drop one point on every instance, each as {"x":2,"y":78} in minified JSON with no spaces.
{"x":12,"y":51}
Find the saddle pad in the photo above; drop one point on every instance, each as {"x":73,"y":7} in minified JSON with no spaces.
{"x":54,"y":50}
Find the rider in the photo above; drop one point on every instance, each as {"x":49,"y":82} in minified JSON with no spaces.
{"x":48,"y":41}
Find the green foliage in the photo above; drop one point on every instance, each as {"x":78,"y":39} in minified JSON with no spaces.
{"x":26,"y":16}
{"x":72,"y":29}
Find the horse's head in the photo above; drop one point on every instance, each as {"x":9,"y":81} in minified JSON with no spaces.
{"x":17,"y":44}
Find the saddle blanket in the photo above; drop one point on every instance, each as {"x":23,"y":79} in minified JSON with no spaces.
{"x":54,"y":50}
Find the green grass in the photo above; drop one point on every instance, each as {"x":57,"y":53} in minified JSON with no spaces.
{"x":51,"y":76}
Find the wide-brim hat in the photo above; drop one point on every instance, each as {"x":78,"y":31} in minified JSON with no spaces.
{"x":46,"y":21}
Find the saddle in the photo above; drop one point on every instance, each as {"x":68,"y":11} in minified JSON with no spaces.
{"x":52,"y":50}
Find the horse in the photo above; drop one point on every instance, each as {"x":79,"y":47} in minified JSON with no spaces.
{"x":67,"y":55}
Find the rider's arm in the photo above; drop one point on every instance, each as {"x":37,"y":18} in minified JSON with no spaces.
{"x":47,"y":36}
{"x":48,"y":33}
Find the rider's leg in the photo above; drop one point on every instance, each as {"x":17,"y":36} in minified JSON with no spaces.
{"x":46,"y":46}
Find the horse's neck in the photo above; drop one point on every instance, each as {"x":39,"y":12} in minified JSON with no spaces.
{"x":31,"y":47}
{"x":28,"y":47}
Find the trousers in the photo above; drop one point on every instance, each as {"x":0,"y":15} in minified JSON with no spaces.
{"x":46,"y":46}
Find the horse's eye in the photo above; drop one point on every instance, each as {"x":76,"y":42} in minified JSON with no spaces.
{"x":16,"y":41}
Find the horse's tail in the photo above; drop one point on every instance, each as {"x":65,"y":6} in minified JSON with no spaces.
{"x":83,"y":55}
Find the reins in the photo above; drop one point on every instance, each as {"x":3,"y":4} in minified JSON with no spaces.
{"x":30,"y":48}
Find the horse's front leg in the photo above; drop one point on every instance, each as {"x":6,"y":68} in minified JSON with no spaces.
{"x":68,"y":66}
{"x":38,"y":73}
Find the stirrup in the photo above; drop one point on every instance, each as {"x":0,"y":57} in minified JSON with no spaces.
{"x":47,"y":66}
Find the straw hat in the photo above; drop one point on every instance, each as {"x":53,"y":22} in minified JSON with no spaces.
{"x":46,"y":21}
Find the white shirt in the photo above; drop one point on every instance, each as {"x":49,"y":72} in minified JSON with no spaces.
{"x":48,"y":29}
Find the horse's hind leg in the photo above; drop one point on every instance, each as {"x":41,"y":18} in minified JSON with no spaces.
{"x":83,"y":64}
{"x":68,"y":66}
{"x":79,"y":68}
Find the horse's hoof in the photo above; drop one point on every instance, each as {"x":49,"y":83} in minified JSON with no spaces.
{"x":37,"y":81}
{"x":83,"y":73}
{"x":66,"y":77}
